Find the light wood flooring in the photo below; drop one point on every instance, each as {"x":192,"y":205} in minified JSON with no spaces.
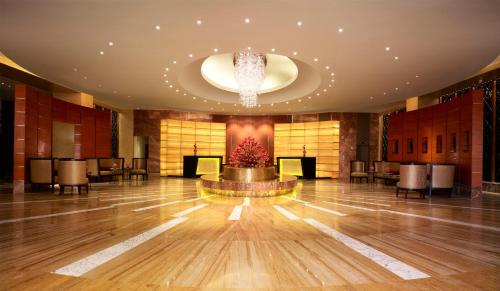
{"x":166,"y":233}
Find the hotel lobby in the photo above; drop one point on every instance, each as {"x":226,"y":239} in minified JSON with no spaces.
{"x":265,"y":145}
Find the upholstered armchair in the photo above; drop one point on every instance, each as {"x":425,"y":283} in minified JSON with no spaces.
{"x":358,"y":170}
{"x":111,"y":167}
{"x":73,"y":173}
{"x":412,"y":177}
{"x":42,"y":172}
{"x":139,"y":168}
{"x":441,"y":176}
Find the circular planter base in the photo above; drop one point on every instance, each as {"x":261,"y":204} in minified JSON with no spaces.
{"x":277,"y":186}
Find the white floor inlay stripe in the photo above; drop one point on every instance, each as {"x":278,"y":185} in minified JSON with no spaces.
{"x":325,"y":209}
{"x":246,"y":201}
{"x":156,"y":206}
{"x":444,"y":220}
{"x":189,"y":210}
{"x":91,"y":262}
{"x":397,"y":267}
{"x":308,"y":204}
{"x":236,"y":214}
{"x":351,"y":206}
{"x":54,"y":214}
{"x":286,"y":213}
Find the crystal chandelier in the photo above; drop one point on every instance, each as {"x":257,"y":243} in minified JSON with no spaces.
{"x":249,"y":72}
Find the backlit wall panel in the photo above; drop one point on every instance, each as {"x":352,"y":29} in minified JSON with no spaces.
{"x":320,"y":138}
{"x":178,"y":137}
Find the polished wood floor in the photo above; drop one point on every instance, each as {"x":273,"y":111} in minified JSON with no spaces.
{"x":166,"y":233}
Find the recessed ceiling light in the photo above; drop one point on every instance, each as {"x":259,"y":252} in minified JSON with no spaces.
{"x":332,"y":80}
{"x":407,"y":82}
{"x":85,"y":77}
{"x":218,"y":103}
{"x":272,"y":104}
{"x":205,"y":100}
{"x":317,"y":94}
{"x":111,"y":43}
{"x":247,"y":20}
{"x":75,"y":69}
{"x":300,"y":100}
{"x":177,"y":90}
{"x":235,"y":104}
{"x":330,"y":85}
{"x":249,"y":48}
{"x":385,"y":93}
{"x":287,"y":102}
{"x":259,"y":105}
{"x":396,"y":58}
{"x":340,"y":29}
{"x":166,"y":81}
{"x":167,"y":69}
{"x":174,"y":62}
{"x":194,"y":98}
{"x":327,"y":67}
{"x":211,"y":108}
{"x":185,"y":94}
{"x":157,"y":27}
{"x":198,"y":22}
{"x":396,"y":88}
{"x":308,"y":97}
{"x":190,"y":55}
{"x":164,"y":75}
{"x":216,"y":50}
{"x":294,"y":53}
{"x":315,"y":59}
{"x":99,"y":85}
{"x":114,"y":91}
{"x":387,"y":48}
{"x":273,"y":50}
{"x":101,"y":53}
{"x":324,"y":90}
{"x":171,"y":86}
{"x":332,"y":74}
{"x":417,"y":76}
{"x":371,"y":97}
{"x":299,"y":23}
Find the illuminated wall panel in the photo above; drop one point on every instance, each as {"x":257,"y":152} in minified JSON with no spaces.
{"x":177,"y":138}
{"x":321,"y":140}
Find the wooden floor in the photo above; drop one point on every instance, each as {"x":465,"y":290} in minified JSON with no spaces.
{"x":166,"y":233}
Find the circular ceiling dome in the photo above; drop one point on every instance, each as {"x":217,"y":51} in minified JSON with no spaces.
{"x":218,"y":70}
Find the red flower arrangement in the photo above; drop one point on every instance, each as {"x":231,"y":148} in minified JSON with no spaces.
{"x":249,"y":154}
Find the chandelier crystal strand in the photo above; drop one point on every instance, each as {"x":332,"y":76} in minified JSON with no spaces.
{"x":249,"y":72}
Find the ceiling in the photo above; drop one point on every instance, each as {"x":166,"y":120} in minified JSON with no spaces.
{"x":358,"y":55}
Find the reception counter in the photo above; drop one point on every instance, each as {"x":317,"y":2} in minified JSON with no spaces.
{"x":193,"y":169}
{"x":304,"y":167}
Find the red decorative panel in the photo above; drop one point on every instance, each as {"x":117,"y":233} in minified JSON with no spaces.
{"x":19,"y":135}
{"x":439,"y":133}
{"x":410,"y":136}
{"x":394,"y":137}
{"x":452,"y":130}
{"x":44,"y":142}
{"x":73,"y":113}
{"x":87,"y":131}
{"x":424,"y":146}
{"x":102,"y":133}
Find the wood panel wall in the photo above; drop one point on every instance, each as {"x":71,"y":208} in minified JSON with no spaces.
{"x":34,"y":113}
{"x":450,"y":132}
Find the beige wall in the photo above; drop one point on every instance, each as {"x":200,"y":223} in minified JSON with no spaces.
{"x":77,"y":98}
{"x":126,"y":135}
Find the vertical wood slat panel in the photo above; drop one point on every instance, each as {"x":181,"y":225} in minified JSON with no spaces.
{"x":102,"y":133}
{"x":439,"y":133}
{"x":87,"y":130}
{"x":410,"y":135}
{"x":44,"y":134}
{"x":394,"y":137}
{"x":425,"y":140}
